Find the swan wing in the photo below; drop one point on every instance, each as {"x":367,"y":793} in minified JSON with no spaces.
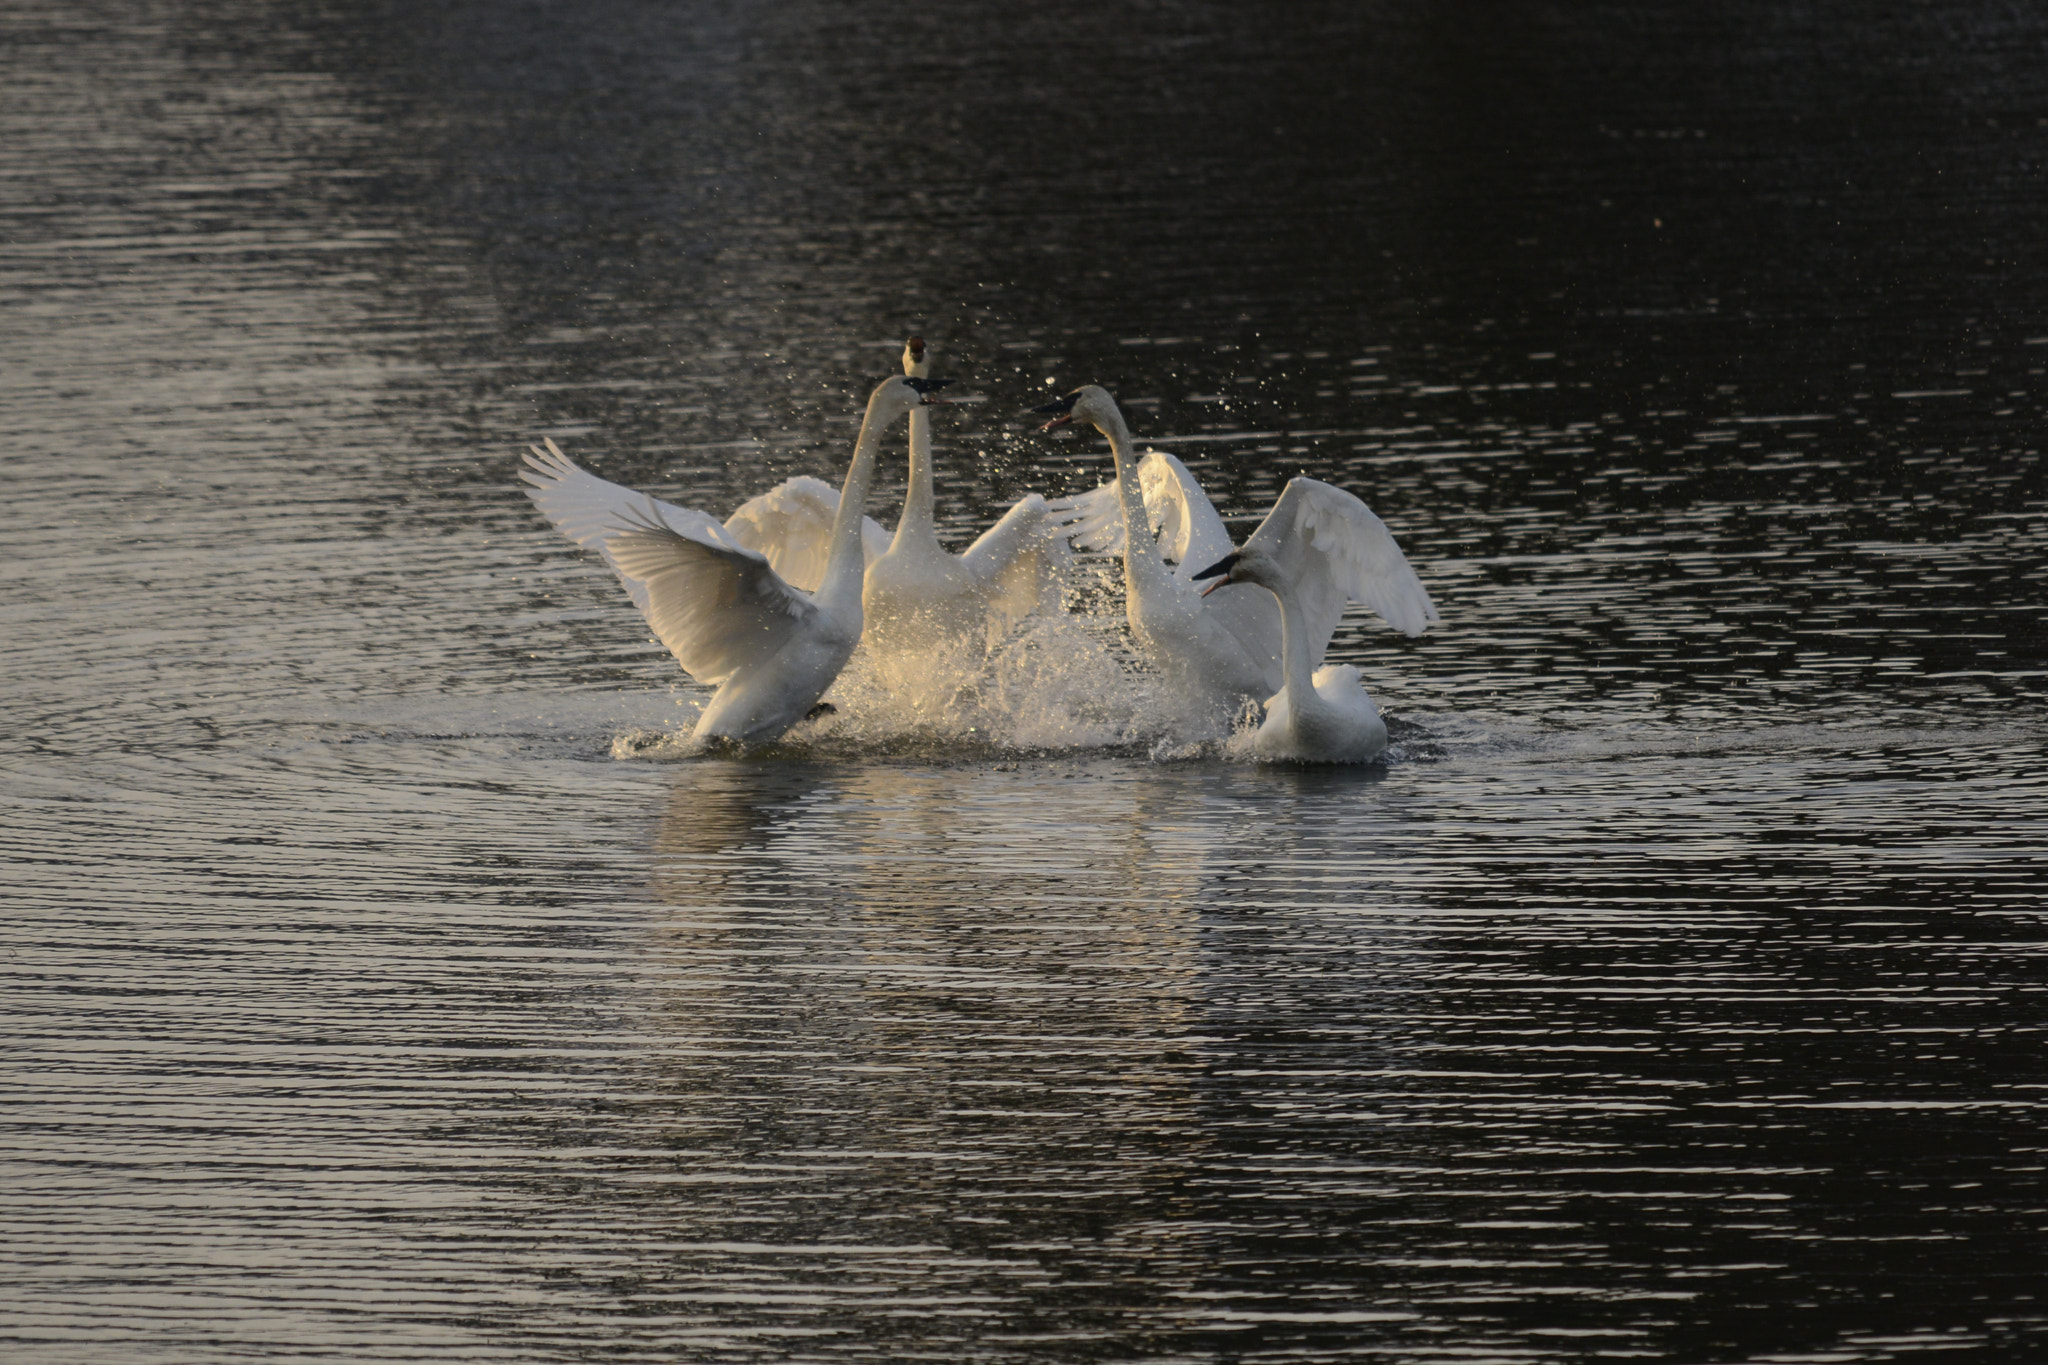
{"x":586,"y":508}
{"x":1093,"y":520}
{"x":1191,"y":535}
{"x":791,"y":525}
{"x":1335,"y":548}
{"x":716,"y":604}
{"x":1024,"y":557}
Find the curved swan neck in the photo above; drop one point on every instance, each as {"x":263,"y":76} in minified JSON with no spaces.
{"x":1297,"y":668}
{"x":1141,"y":555}
{"x":919,"y":506}
{"x":846,"y":561}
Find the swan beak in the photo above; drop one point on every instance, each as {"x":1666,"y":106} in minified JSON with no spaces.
{"x":1220,"y":571}
{"x":1060,"y":409}
{"x":927,"y":388}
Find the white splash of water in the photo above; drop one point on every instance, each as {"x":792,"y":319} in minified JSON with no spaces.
{"x":1057,"y":683}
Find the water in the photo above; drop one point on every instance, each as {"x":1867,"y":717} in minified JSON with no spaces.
{"x":380,"y":986}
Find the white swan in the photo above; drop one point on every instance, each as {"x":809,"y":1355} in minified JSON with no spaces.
{"x":919,"y":594}
{"x":1318,"y":546}
{"x":730,"y":619}
{"x":1214,"y":651}
{"x":1225,"y":644}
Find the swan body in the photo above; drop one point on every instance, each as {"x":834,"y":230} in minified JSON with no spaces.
{"x":1213,"y":651}
{"x":1228,"y":643}
{"x":918,"y":594}
{"x":732,"y":621}
{"x":1340,"y":725}
{"x":1319,"y":547}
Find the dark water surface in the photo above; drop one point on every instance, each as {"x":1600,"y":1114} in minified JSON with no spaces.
{"x":377,"y":985}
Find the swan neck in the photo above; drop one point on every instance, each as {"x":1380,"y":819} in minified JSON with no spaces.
{"x":846,"y":561}
{"x":919,"y":509}
{"x":1141,"y":554}
{"x":1297,"y":668}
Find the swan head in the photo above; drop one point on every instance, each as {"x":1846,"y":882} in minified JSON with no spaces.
{"x":1242,"y":566}
{"x":1090,"y":403}
{"x":898,"y":394}
{"x":917,"y":362}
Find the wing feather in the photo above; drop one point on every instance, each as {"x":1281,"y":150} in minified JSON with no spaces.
{"x":1190,"y":533}
{"x":1335,"y":548}
{"x":586,"y":508}
{"x":716,"y":604}
{"x":791,"y":524}
{"x":1094,"y":521}
{"x":1024,"y":558}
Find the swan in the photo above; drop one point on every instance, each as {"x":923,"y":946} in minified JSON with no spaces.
{"x":918,"y":594}
{"x":1316,"y":547}
{"x":1213,"y":651}
{"x":1227,"y":643}
{"x":731,"y":620}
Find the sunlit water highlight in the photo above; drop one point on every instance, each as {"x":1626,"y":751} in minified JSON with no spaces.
{"x":382,"y":982}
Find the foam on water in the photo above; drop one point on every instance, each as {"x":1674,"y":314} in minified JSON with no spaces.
{"x":1056,"y":683}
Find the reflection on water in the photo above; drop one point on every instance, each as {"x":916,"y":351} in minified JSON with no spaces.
{"x":1109,"y":1058}
{"x":1672,"y":992}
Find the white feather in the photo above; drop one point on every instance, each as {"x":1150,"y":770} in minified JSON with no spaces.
{"x":717,"y":605}
{"x":792,"y":525}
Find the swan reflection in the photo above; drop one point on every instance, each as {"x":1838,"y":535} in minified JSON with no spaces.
{"x":872,"y":969}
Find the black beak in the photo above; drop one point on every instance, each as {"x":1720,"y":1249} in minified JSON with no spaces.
{"x":1061,"y":410}
{"x":1219,"y":571}
{"x":927,"y":387}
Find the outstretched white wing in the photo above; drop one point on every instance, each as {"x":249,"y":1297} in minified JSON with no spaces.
{"x":1334,"y":548}
{"x":791,"y":524}
{"x":717,"y":605}
{"x":1191,"y":534}
{"x":1024,"y":558}
{"x":588,"y":509}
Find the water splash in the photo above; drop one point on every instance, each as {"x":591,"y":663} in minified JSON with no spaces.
{"x":1055,"y":684}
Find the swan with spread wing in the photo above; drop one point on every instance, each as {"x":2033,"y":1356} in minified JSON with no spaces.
{"x":919,"y":594}
{"x":734,"y":623}
{"x":1318,"y":547}
{"x":1230,"y":642}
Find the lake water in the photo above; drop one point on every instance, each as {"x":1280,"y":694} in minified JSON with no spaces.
{"x":380,"y":984}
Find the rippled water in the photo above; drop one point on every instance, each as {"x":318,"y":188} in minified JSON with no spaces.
{"x":379,"y":986}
